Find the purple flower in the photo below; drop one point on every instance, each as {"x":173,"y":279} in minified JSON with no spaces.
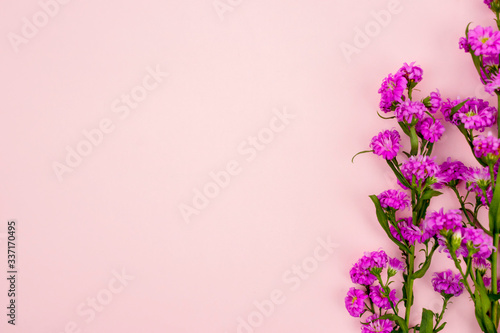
{"x":447,"y":283}
{"x":493,"y":85}
{"x":488,"y":3}
{"x":355,"y":302}
{"x":486,"y":146}
{"x":419,"y":168}
{"x":439,"y":220}
{"x":484,"y":41}
{"x":475,"y":114}
{"x":446,"y":110}
{"x":435,"y":101}
{"x":380,"y":300}
{"x":464,"y":44}
{"x":376,"y":325}
{"x":386,"y":144}
{"x":391,"y":91}
{"x":481,"y":242}
{"x":430,"y":129}
{"x":479,"y":181}
{"x":409,"y":111}
{"x":361,"y":270}
{"x":394,"y":199}
{"x":480,"y":264}
{"x":450,"y":172}
{"x":395,"y":265}
{"x":410,"y":232}
{"x":411,"y":72}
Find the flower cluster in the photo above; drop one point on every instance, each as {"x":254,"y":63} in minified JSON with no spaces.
{"x":391,"y":91}
{"x":386,"y":144}
{"x":474,"y":114}
{"x":394,"y":199}
{"x":450,"y":173}
{"x":418,"y":169}
{"x":409,"y":232}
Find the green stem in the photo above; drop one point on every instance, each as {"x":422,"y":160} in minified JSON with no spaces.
{"x":409,"y":285}
{"x":462,"y":205}
{"x":494,"y":289}
{"x":445,"y":303}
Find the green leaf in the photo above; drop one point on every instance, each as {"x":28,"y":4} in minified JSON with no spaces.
{"x":404,"y":127}
{"x":494,"y":297}
{"x":398,"y":174}
{"x":482,"y":306}
{"x":457,"y":107}
{"x":429,"y":193}
{"x":413,"y":140}
{"x":361,"y":152}
{"x":427,"y":323}
{"x":385,"y":117}
{"x":440,"y":327}
{"x":382,"y":219}
{"x":427,"y":263}
{"x":397,"y":319}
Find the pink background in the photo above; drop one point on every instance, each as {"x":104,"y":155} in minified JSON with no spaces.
{"x":119,"y":209}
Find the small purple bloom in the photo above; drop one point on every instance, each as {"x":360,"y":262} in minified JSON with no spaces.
{"x":447,"y":283}
{"x":355,"y":302}
{"x":478,"y":180}
{"x":446,"y":110}
{"x":396,"y":264}
{"x":431,"y":129}
{"x":410,"y":232}
{"x":380,"y":300}
{"x":409,"y":111}
{"x":435,"y":101}
{"x":486,"y":145}
{"x":392,"y":90}
{"x":360,"y":272}
{"x":394,"y":199}
{"x":477,"y":238}
{"x":463,"y":44}
{"x":411,"y":72}
{"x":493,"y":85}
{"x":376,"y":325}
{"x":439,"y":220}
{"x":420,"y":168}
{"x":476,"y":114}
{"x":484,"y":41}
{"x":386,"y":144}
{"x":450,"y":171}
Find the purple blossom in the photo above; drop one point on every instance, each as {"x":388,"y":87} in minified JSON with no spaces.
{"x":355,"y":302}
{"x":476,"y":114}
{"x":380,"y":300}
{"x":392,"y":90}
{"x":420,"y":168}
{"x":478,"y":180}
{"x":386,"y":144}
{"x":488,"y":3}
{"x":439,"y":220}
{"x":430,"y":129}
{"x":482,"y":242}
{"x":360,"y":272}
{"x":450,"y":171}
{"x":376,"y":325}
{"x":411,"y":72}
{"x":396,"y":265}
{"x":493,"y":85}
{"x":486,"y":145}
{"x":446,"y":110}
{"x":481,"y":264}
{"x":484,"y":41}
{"x":435,"y":101}
{"x":464,"y":44}
{"x":394,"y":199}
{"x":410,"y":232}
{"x":409,"y":111}
{"x":447,"y":283}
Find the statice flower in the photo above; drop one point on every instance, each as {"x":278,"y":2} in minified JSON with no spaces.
{"x":409,"y":111}
{"x":391,"y":91}
{"x":439,"y":220}
{"x":447,"y":283}
{"x":386,"y":144}
{"x":476,"y":114}
{"x":380,"y":300}
{"x":361,"y":272}
{"x":376,"y":325}
{"x":411,"y":72}
{"x":355,"y":302}
{"x":487,"y":146}
{"x":419,"y":168}
{"x":435,"y":101}
{"x":478,"y":180}
{"x":484,"y":41}
{"x":450,"y":173}
{"x":430,"y":129}
{"x":394,"y":199}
